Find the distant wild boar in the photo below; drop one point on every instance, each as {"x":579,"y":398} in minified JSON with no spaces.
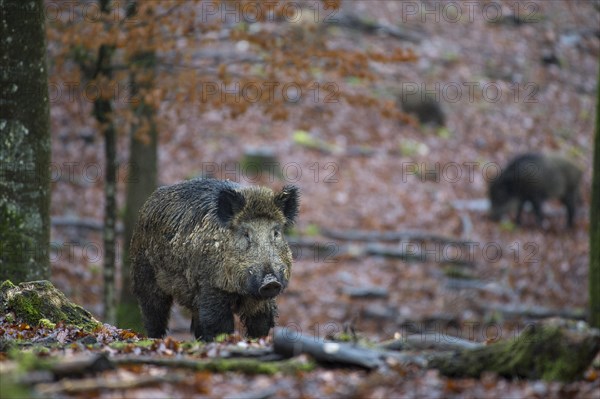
{"x":424,"y":106}
{"x":216,"y":248}
{"x":535,"y":178}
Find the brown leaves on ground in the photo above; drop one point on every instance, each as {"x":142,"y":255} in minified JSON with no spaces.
{"x":366,"y":184}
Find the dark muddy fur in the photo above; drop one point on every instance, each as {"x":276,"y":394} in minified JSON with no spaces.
{"x":535,"y":178}
{"x":216,"y":248}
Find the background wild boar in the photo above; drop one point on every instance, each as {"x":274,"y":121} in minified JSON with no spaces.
{"x":535,"y":178}
{"x":424,"y":106}
{"x":216,"y":248}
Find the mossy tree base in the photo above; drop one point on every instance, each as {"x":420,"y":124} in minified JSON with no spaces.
{"x":557,"y":349}
{"x":40,"y":303}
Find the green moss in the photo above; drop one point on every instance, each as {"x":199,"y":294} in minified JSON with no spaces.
{"x":39,"y":302}
{"x":304,"y":139}
{"x":6,"y":285}
{"x":146,"y":343}
{"x":6,"y":344}
{"x":28,"y":360}
{"x":118,"y":345}
{"x":47,"y":324}
{"x":192,"y":346}
{"x":312,"y":230}
{"x":254,"y":367}
{"x":222,"y":337}
{"x":10,"y":388}
{"x":508,"y":225}
{"x":457,"y":272}
{"x":344,"y":337}
{"x":16,"y":244}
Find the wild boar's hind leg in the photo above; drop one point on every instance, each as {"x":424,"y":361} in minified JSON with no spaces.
{"x":156,"y":314}
{"x":154,"y":303}
{"x":569,"y":201}
{"x":537,"y":208}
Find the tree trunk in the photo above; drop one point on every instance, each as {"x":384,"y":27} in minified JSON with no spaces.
{"x":103,"y":113}
{"x":25,"y":143}
{"x":594,"y":279}
{"x":143,"y":155}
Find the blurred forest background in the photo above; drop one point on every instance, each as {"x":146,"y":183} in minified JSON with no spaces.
{"x":392,"y":228}
{"x":316,"y":85}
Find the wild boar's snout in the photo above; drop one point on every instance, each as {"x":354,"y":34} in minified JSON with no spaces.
{"x":270,"y":287}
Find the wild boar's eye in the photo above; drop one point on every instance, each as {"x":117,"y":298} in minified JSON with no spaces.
{"x":276,"y":233}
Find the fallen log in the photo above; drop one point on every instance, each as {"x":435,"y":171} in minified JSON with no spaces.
{"x":557,"y":349}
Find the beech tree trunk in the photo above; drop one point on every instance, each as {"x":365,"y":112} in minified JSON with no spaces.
{"x":103,"y":110}
{"x":143,"y":156}
{"x":24,"y":143}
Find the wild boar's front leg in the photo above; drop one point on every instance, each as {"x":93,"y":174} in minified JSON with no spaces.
{"x":259,"y":323}
{"x":212,"y":315}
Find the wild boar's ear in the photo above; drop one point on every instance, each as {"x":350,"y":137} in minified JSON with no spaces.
{"x":288,"y":200}
{"x":229,"y":203}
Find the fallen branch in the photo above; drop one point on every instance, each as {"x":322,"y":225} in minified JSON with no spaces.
{"x":81,"y":223}
{"x":531,"y":312}
{"x":415,"y":254}
{"x":290,"y":343}
{"x":352,"y":21}
{"x":440,"y":342}
{"x":407,"y":235}
{"x":491,"y":287}
{"x":366,"y":292}
{"x":332,"y":250}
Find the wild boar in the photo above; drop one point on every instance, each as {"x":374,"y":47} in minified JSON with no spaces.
{"x":216,"y":248}
{"x":534,"y":178}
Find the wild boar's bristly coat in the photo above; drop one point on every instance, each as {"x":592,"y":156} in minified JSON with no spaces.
{"x":216,"y":248}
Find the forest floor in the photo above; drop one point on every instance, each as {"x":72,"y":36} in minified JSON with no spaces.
{"x":383,"y":176}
